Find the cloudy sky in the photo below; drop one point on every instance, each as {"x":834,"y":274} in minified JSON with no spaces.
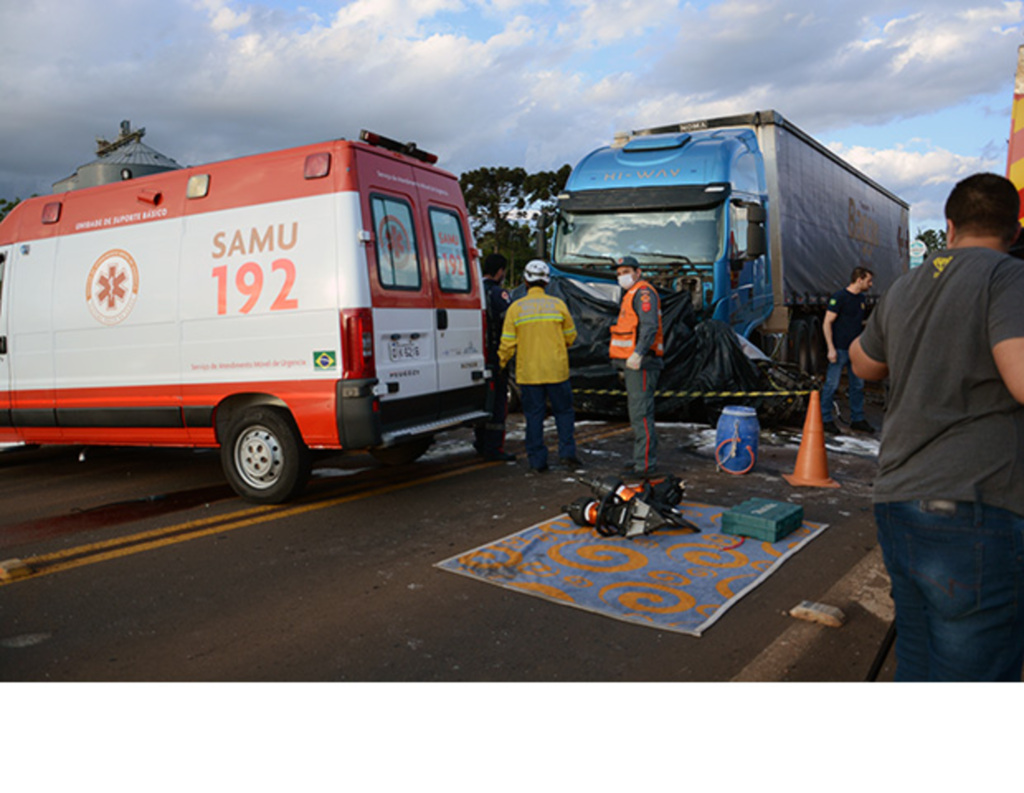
{"x":917,"y":94}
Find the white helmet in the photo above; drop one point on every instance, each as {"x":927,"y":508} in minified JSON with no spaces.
{"x":536,"y":270}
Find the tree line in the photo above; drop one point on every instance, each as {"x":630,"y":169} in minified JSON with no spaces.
{"x":6,"y":206}
{"x":505,"y":206}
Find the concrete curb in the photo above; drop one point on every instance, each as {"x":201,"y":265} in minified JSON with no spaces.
{"x":866,"y":585}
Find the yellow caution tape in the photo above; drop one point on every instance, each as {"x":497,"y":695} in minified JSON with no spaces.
{"x":608,"y":392}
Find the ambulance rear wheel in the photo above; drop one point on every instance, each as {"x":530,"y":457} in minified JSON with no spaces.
{"x":263,"y":456}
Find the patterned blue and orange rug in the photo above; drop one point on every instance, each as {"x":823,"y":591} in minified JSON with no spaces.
{"x":672,"y":580}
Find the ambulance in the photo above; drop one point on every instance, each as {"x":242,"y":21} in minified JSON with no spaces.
{"x":320,"y":297}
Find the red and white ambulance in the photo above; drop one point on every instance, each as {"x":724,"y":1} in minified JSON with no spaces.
{"x":321,"y":297}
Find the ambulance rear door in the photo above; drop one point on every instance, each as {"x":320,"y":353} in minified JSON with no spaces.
{"x":457,"y":298}
{"x":402,"y":293}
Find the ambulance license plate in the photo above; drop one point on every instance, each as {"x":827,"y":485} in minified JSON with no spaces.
{"x":403,"y":350}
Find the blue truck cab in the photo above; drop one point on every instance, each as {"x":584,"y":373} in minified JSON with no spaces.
{"x":690,"y":207}
{"x":756,"y":220}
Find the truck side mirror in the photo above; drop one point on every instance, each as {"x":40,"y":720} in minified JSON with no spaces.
{"x":541,"y":238}
{"x":756,"y":243}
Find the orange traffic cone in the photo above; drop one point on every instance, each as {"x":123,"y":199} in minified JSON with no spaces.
{"x":811,"y":464}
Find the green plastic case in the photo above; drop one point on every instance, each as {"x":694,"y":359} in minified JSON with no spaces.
{"x":763,"y":519}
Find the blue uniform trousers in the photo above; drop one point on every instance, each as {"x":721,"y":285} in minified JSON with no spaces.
{"x":535,"y":399}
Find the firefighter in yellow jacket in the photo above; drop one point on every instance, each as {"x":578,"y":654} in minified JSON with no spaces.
{"x":538,"y":331}
{"x":638,"y":349}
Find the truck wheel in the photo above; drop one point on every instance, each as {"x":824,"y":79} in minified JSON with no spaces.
{"x":263,"y":456}
{"x":800,"y":344}
{"x":515,"y":397}
{"x":796,"y":347}
{"x":402,"y":453}
{"x":818,"y":355}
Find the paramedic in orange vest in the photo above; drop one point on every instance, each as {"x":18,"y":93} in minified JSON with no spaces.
{"x":638,"y":349}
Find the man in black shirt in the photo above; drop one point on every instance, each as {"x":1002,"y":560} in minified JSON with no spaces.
{"x":490,"y":437}
{"x":844,"y":321}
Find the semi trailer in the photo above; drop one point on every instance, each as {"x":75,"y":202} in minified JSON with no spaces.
{"x":755,"y":219}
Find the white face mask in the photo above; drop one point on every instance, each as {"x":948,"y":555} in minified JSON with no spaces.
{"x":626,"y":280}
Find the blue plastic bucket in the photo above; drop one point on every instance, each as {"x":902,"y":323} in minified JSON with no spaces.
{"x":736,"y":439}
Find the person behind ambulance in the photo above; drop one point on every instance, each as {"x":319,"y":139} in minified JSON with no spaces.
{"x":538,"y":331}
{"x":637,"y":349}
{"x":490,"y":437}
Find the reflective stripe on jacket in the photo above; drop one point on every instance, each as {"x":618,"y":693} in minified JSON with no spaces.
{"x":538,"y":330}
{"x":626,"y":330}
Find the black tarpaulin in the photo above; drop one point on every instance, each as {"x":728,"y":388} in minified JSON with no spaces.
{"x":703,"y":360}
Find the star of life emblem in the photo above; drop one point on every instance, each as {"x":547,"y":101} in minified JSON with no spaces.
{"x":112,"y":287}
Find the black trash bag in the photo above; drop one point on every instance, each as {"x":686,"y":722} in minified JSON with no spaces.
{"x":702,"y":359}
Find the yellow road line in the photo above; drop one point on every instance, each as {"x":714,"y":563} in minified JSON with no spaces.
{"x":93,"y":553}
{"x":82,"y":555}
{"x":81,"y":550}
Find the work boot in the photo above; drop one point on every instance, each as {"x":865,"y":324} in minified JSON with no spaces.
{"x":571,"y":462}
{"x":633,"y":473}
{"x":862,"y":426}
{"x":831,"y":428}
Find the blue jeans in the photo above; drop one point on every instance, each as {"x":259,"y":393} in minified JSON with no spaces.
{"x":832,"y":377}
{"x":957,"y":572}
{"x":535,"y":399}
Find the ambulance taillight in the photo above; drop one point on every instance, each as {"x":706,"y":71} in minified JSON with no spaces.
{"x":358,"y":361}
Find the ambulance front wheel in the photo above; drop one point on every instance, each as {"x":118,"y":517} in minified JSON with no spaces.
{"x":263,"y":456}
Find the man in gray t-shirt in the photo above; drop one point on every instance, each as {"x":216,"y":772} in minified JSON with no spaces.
{"x":949,"y":495}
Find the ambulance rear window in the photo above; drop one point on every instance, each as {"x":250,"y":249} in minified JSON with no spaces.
{"x":398,"y":262}
{"x":450,"y":247}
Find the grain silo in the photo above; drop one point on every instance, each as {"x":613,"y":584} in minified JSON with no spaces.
{"x":127,"y":157}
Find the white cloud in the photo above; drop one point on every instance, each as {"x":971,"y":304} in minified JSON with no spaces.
{"x":922,"y":177}
{"x":223,"y":19}
{"x":391,"y":18}
{"x":910,"y":168}
{"x":613,"y":20}
{"x":490,"y":82}
{"x":837,"y":61}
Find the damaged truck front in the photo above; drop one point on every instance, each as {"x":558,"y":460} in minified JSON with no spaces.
{"x":750,"y":217}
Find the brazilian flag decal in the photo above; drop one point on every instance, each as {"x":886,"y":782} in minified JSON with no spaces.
{"x":325,"y":360}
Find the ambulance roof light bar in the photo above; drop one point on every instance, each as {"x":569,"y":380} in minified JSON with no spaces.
{"x":409,"y":149}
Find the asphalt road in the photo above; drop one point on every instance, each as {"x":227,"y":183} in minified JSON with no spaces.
{"x":145,"y":567}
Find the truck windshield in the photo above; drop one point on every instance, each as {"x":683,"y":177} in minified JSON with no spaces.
{"x":686,"y":235}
